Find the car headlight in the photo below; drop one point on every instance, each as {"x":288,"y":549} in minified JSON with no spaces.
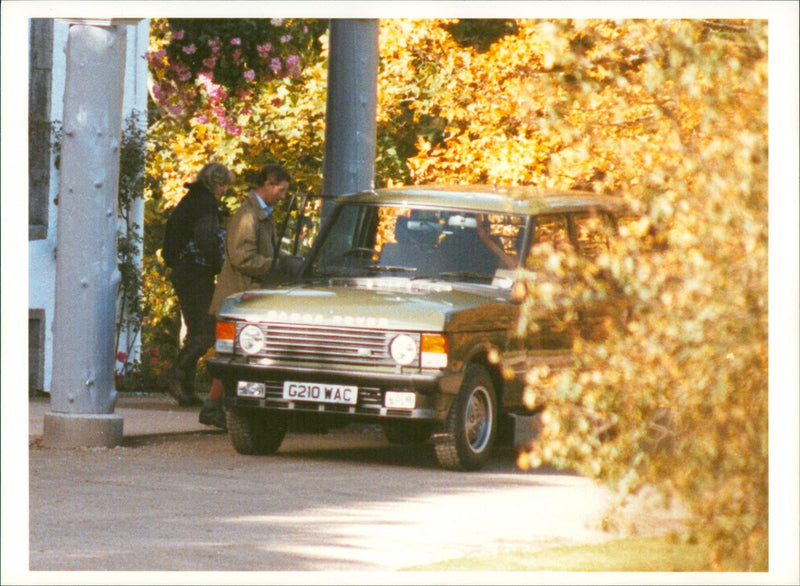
{"x":403,"y":349}
{"x":252,"y":339}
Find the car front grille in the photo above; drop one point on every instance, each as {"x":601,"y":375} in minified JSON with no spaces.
{"x":341,"y":346}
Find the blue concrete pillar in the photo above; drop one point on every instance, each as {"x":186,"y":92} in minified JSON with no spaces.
{"x":350,"y":131}
{"x":82,"y":396}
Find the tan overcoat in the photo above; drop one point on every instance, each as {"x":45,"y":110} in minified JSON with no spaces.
{"x":249,"y":250}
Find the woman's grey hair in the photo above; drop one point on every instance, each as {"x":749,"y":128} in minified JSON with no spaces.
{"x":213,"y":175}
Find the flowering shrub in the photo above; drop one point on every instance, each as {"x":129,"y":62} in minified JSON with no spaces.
{"x":243,"y":93}
{"x":220,"y":66}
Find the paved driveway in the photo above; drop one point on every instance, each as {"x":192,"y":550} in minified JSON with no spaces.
{"x":342,"y":501}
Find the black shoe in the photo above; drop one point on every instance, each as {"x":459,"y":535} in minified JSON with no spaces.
{"x":213,"y":414}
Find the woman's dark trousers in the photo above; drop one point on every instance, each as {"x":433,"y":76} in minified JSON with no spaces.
{"x":194,"y":286}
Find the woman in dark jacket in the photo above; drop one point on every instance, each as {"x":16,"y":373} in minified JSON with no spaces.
{"x":193,"y":250}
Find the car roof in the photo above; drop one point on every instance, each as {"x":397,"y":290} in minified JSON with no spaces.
{"x":488,"y":198}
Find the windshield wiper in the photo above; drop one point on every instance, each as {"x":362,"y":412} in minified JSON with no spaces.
{"x":391,"y":269}
{"x":467,"y":275}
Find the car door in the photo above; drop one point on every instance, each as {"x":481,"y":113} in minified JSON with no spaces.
{"x":591,"y":232}
{"x":550,"y":343}
{"x":552,"y":231}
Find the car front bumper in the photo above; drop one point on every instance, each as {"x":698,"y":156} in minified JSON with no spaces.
{"x":434,"y":390}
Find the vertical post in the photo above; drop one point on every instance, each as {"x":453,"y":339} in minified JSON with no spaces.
{"x":82,"y":396}
{"x":349,"y":160}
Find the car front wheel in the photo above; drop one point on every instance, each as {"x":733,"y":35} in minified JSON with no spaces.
{"x":465,"y":442}
{"x":255,"y":433}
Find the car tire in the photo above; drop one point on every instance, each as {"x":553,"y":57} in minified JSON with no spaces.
{"x":255,"y":434}
{"x":407,"y":433}
{"x":465,"y":442}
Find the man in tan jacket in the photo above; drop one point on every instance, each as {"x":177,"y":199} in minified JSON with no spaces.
{"x":250,"y":238}
{"x":250,"y":249}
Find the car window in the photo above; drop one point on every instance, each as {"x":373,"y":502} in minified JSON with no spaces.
{"x":552,"y":230}
{"x":480,"y":243}
{"x":349,"y":241}
{"x":300,"y":226}
{"x":550,"y":235}
{"x":408,"y":239}
{"x":592,"y":233}
{"x":509,"y":231}
{"x":380,"y":240}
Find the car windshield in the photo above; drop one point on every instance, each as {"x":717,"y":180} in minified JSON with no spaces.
{"x":371,"y":240}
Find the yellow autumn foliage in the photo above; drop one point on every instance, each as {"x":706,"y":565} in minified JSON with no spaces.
{"x":670,"y":113}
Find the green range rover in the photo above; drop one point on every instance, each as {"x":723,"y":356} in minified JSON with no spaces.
{"x":397,"y":316}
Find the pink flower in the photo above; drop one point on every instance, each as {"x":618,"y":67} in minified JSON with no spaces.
{"x":263,"y":50}
{"x":249,"y":75}
{"x":293,"y":65}
{"x":275,"y":65}
{"x":176,"y":110}
{"x":158,"y":92}
{"x":276,"y":102}
{"x":216,"y":92}
{"x":190,"y":50}
{"x":236,"y":41}
{"x":177,"y":35}
{"x":235,"y":130}
{"x":205,"y":77}
{"x":201,"y":119}
{"x":122,"y":356}
{"x":184,"y":73}
{"x":210,"y":62}
{"x":286,"y":38}
{"x":276,"y":21}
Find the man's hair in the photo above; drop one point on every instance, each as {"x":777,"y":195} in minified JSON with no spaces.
{"x":273,"y":173}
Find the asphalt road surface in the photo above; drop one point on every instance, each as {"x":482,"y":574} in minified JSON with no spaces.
{"x":345,"y":501}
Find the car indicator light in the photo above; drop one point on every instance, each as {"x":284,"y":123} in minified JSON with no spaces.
{"x":433,"y":351}
{"x":434,"y":343}
{"x":226,"y":331}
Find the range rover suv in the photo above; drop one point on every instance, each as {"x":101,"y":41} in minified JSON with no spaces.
{"x":398,"y":315}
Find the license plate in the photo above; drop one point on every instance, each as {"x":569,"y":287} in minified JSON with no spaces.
{"x":320,"y":393}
